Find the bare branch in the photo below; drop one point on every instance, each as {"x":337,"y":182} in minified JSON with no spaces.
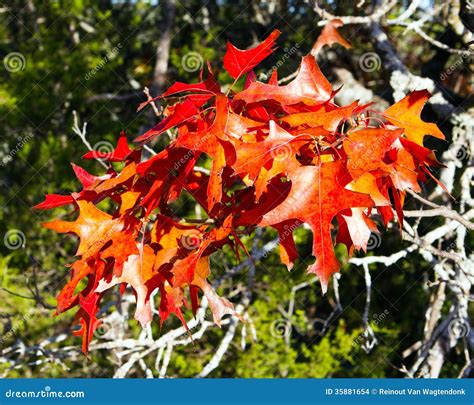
{"x":82,"y":134}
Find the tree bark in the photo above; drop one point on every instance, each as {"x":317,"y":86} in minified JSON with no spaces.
{"x":163,"y":48}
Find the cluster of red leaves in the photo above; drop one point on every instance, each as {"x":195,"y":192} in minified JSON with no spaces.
{"x":282,"y":155}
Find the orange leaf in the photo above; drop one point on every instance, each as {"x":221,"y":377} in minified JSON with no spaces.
{"x":406,"y":114}
{"x":309,"y":87}
{"x":317,"y":195}
{"x":330,"y":35}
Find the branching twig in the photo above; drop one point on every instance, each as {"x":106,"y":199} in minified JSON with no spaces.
{"x":82,"y":134}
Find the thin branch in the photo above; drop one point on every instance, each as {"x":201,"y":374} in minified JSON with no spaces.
{"x":378,"y":13}
{"x":114,"y":97}
{"x":82,"y":134}
{"x":223,"y":347}
{"x":433,"y":41}
{"x":440,"y":253}
{"x":166,"y":360}
{"x":440,"y":211}
{"x":149,"y":98}
{"x":150,"y":150}
{"x":414,"y":4}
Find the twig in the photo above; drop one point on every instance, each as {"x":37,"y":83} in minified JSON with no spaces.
{"x":414,"y":4}
{"x":222,"y":349}
{"x":378,"y":13}
{"x":433,"y":41}
{"x":149,"y":98}
{"x":82,"y":134}
{"x":147,"y":148}
{"x":440,"y":211}
{"x":166,"y":360}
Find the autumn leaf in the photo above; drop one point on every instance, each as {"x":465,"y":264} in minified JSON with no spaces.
{"x":119,"y":154}
{"x":281,"y":156}
{"x":329,"y":36}
{"x":406,"y":114}
{"x":197,"y":93}
{"x":355,"y":229}
{"x":366,"y":149}
{"x":309,"y":87}
{"x":219,"y":305}
{"x":327,"y":116}
{"x":93,"y":226}
{"x":278,"y":145}
{"x":214,"y":142}
{"x":86,"y":319}
{"x":176,"y":116}
{"x":137,"y":270}
{"x":317,"y":195}
{"x":238,"y":62}
{"x":54,"y":201}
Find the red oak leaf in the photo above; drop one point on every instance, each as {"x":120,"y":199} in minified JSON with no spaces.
{"x":137,"y":270}
{"x":119,"y":154}
{"x":327,"y":116}
{"x":330,"y":35}
{"x":309,"y":87}
{"x":213,"y":142}
{"x":54,"y":201}
{"x":176,"y":116}
{"x":93,"y":226}
{"x":219,"y":306}
{"x":406,"y":114}
{"x":201,"y":91}
{"x":238,"y":62}
{"x":317,"y":195}
{"x":281,"y":156}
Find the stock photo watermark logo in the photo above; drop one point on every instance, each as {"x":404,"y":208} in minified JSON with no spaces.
{"x":46,"y":392}
{"x":106,"y":59}
{"x":459,"y":328}
{"x":281,"y":328}
{"x":14,"y":239}
{"x":288,"y":230}
{"x":16,"y":326}
{"x":463,"y":153}
{"x":453,"y":67}
{"x":183,"y":160}
{"x":101,"y":148}
{"x":5,"y":159}
{"x":367,"y":340}
{"x":192,"y":61}
{"x":192,"y":240}
{"x":288,"y":52}
{"x":102,"y":330}
{"x":374,"y":241}
{"x":14,"y":62}
{"x":282,"y":152}
{"x":370,"y":62}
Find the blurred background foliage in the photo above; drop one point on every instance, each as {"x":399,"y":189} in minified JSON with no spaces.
{"x":63,"y":43}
